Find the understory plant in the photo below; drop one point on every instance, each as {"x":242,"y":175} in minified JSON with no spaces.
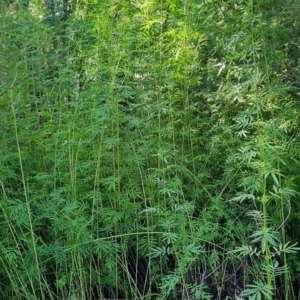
{"x":149,"y":150}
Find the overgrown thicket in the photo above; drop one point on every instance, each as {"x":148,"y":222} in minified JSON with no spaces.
{"x":149,"y":149}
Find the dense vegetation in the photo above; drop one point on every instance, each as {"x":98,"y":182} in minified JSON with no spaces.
{"x":149,"y":149}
